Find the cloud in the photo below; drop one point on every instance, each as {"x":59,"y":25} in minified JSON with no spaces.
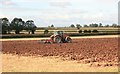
{"x":60,"y":3}
{"x":61,"y":17}
{"x":107,"y":1}
{"x":7,"y":2}
{"x":62,"y":12}
{"x":104,"y":18}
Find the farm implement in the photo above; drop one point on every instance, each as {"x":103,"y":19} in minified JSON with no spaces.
{"x":57,"y":37}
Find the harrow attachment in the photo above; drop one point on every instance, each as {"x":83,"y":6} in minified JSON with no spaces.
{"x":45,"y":41}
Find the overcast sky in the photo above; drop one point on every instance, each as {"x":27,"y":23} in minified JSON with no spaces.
{"x":61,"y":12}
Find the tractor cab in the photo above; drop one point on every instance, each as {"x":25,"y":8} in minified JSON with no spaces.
{"x":60,"y":33}
{"x":60,"y":37}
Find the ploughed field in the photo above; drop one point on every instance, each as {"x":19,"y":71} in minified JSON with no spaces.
{"x":88,"y":50}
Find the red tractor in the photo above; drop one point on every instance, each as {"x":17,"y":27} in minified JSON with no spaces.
{"x":58,"y":37}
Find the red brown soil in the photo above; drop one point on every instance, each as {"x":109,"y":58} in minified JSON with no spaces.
{"x":94,"y":49}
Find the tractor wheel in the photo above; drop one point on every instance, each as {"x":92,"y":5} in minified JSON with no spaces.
{"x":68,"y":40}
{"x":57,"y":39}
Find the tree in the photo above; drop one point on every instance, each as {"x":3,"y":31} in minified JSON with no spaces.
{"x":80,"y":31}
{"x":48,"y":26}
{"x":107,"y":25}
{"x":4,"y":22}
{"x":93,"y":25}
{"x":95,"y":31}
{"x":72,"y":25}
{"x":78,"y":26}
{"x":30,"y":26}
{"x":17,"y":24}
{"x":85,"y":25}
{"x":52,"y":25}
{"x":118,"y":26}
{"x":114,"y":25}
{"x":85,"y":31}
{"x":100,"y":25}
{"x":46,"y":31}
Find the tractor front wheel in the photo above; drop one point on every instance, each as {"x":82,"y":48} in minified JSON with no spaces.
{"x":68,"y":40}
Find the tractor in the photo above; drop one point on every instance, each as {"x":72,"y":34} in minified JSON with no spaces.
{"x":58,"y":37}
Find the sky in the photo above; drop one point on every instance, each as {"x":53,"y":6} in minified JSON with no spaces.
{"x":61,"y":13}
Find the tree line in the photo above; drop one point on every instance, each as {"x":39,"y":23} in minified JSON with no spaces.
{"x":78,"y":26}
{"x":17,"y":24}
{"x":94,"y":25}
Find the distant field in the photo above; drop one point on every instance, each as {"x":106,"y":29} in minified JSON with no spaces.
{"x":86,"y":28}
{"x":73,"y":30}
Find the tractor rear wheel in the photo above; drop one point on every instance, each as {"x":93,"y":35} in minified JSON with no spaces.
{"x":57,"y":39}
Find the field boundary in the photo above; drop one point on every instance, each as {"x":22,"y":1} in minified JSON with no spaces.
{"x":77,"y":37}
{"x":48,"y":35}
